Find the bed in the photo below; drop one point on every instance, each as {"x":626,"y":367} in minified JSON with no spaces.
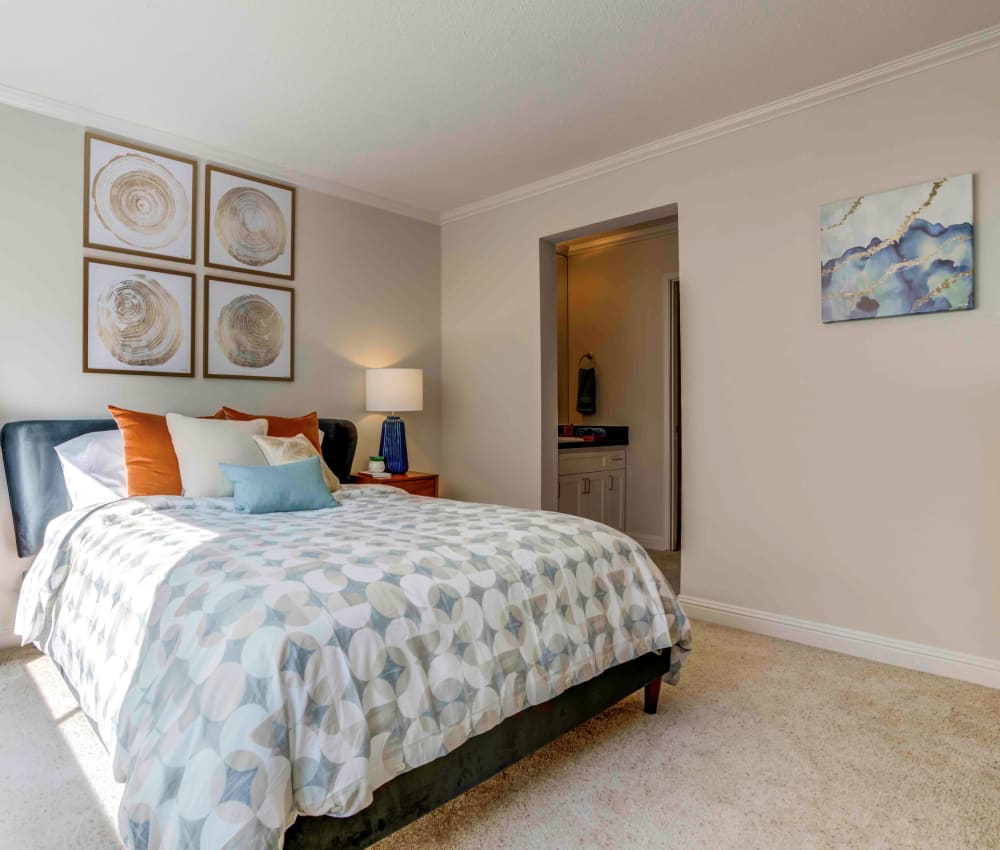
{"x":251,"y":676}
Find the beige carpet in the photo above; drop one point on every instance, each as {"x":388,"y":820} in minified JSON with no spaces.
{"x":669,"y":564}
{"x":764,"y":744}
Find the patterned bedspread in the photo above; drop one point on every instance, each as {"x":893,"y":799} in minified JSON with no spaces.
{"x":244,"y":669}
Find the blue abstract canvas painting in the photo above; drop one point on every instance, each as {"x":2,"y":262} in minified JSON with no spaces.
{"x":898,"y":253}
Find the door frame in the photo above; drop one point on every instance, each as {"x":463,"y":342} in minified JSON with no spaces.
{"x":548,"y":385}
{"x":672,"y":412}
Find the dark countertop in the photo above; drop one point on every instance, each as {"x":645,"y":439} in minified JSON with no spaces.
{"x":604,"y":436}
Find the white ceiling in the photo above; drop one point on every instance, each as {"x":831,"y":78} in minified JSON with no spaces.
{"x":439,"y":103}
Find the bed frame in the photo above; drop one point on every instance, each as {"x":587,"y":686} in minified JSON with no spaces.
{"x":38,"y":494}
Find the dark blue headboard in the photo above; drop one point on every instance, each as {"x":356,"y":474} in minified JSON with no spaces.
{"x":35,"y":480}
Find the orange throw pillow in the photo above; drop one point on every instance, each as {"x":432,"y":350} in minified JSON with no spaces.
{"x":279,"y":426}
{"x":150,"y":462}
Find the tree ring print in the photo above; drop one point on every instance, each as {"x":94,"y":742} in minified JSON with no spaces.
{"x":140,"y":201}
{"x":139,"y":322}
{"x":250,"y":226}
{"x":250,"y":331}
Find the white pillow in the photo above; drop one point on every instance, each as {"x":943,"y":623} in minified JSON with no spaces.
{"x":93,"y":467}
{"x":202,"y":444}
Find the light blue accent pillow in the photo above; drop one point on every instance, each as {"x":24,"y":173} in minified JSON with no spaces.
{"x":296,"y":486}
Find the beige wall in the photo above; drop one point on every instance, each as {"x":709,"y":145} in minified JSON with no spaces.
{"x":562,"y":338}
{"x":847,"y":474}
{"x":367,"y":294}
{"x":616,"y":304}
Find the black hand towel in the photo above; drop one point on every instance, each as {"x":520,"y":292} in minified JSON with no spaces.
{"x":586,"y":391}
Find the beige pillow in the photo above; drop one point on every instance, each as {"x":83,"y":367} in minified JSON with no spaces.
{"x":202,"y":444}
{"x":279,"y":450}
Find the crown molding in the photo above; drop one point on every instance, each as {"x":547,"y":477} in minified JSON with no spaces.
{"x":94,"y":120}
{"x":915,"y":63}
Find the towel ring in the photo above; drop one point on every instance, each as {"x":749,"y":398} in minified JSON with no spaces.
{"x":588,"y":356}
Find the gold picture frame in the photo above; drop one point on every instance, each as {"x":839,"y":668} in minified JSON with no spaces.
{"x":266,"y":352}
{"x":139,"y":200}
{"x":137,"y":320}
{"x":249,"y":224}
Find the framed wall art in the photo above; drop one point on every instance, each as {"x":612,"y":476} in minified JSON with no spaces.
{"x":138,"y":200}
{"x":137,"y":320}
{"x":903,"y":252}
{"x":249,"y":330}
{"x":249,"y":224}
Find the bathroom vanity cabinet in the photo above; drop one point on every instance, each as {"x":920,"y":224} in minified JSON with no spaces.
{"x":592,"y":484}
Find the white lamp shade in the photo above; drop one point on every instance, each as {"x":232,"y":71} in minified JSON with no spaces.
{"x":394,"y":389}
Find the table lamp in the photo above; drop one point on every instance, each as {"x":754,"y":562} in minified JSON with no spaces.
{"x":393,"y":390}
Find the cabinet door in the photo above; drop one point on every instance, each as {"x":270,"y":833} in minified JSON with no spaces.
{"x":615,"y":499}
{"x":570,"y":493}
{"x":592,"y":496}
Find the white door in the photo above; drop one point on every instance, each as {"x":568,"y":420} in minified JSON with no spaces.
{"x":615,"y":499}
{"x":593,"y":495}
{"x":570,"y":493}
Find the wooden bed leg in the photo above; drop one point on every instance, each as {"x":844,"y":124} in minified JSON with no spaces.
{"x":652,"y":695}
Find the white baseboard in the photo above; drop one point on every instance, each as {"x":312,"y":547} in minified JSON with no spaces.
{"x":650,"y":541}
{"x":901,"y":653}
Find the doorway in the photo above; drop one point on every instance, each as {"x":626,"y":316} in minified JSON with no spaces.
{"x":610,"y":346}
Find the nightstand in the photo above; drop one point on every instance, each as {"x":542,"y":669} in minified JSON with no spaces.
{"x":417,"y":483}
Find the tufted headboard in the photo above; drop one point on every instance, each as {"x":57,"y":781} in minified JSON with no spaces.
{"x":35,"y":479}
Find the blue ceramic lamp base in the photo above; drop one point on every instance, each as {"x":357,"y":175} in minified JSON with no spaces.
{"x":393,"y":445}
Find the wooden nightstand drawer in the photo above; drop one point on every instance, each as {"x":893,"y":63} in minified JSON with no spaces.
{"x":417,"y":488}
{"x":416,"y":483}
